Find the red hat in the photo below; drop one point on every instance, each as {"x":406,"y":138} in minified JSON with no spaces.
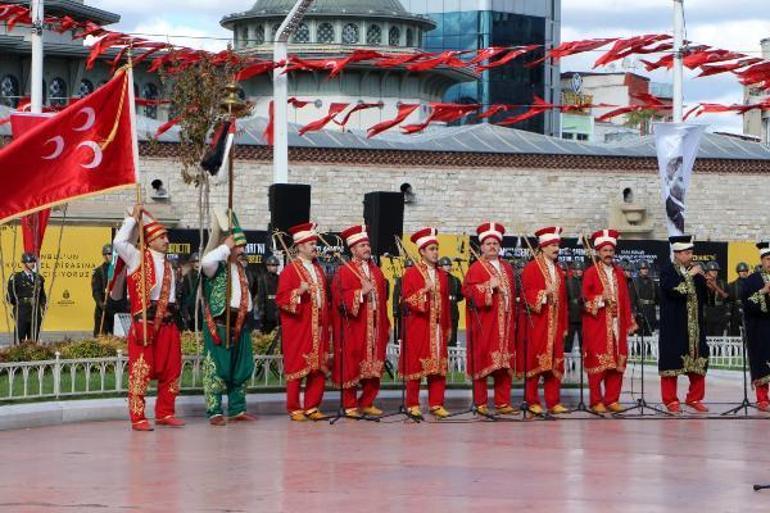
{"x":424,"y":237}
{"x":548,"y":236}
{"x":304,"y":232}
{"x":604,"y":238}
{"x":490,"y":229}
{"x":152,"y":228}
{"x":355,"y":235}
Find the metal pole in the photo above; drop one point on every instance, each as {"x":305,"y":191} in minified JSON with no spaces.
{"x":281,"y":91}
{"x":678,"y":56}
{"x":36,"y":76}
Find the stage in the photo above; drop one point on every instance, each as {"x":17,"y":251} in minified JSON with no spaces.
{"x":274,"y":465}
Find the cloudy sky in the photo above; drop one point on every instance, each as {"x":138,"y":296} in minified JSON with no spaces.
{"x":738,"y":27}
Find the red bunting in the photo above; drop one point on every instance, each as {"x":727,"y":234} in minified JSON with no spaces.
{"x":447,"y":58}
{"x":399,"y":60}
{"x":442,"y":112}
{"x":715,"y":69}
{"x":625,"y":47}
{"x":511,"y":55}
{"x":334,"y":110}
{"x":269,"y":133}
{"x":404,"y":110}
{"x":572,"y":48}
{"x":13,"y":14}
{"x":356,"y":108}
{"x":492,"y":111}
{"x":258,"y":68}
{"x":168,"y":125}
{"x":697,"y":59}
{"x":538,"y":106}
{"x":757,"y":73}
{"x":487,"y":54}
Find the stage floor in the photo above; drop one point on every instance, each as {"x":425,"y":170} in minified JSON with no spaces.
{"x":274,"y":465}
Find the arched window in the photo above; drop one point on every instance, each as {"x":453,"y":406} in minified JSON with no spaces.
{"x":57,"y":92}
{"x":150,"y":92}
{"x":274,"y":32}
{"x":245,"y":37}
{"x":86,"y":88}
{"x":259,"y":34}
{"x":350,"y":34}
{"x":302,"y":35}
{"x":9,"y":91}
{"x":325,"y":33}
{"x":374,"y":35}
{"x":394,"y":36}
{"x":409,"y":37}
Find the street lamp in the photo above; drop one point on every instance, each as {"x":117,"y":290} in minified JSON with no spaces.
{"x":281,"y":93}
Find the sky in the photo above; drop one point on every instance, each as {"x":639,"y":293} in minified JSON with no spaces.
{"x":737,"y":25}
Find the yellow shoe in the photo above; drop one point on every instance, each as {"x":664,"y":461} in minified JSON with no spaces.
{"x":535,"y":409}
{"x":414,"y":411}
{"x":298,"y":416}
{"x":315,"y":414}
{"x":353,"y":412}
{"x":599,"y":408}
{"x":558,"y":410}
{"x":506,"y":410}
{"x":482,"y":410}
{"x":615,"y":408}
{"x":439,"y":412}
{"x":372,"y":411}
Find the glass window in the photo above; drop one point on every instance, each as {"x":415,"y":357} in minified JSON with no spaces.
{"x":259,"y":35}
{"x":468,"y":22}
{"x":57,"y":92}
{"x":374,"y":35}
{"x":302,"y":35}
{"x":394,"y":36}
{"x":452,"y":23}
{"x":9,"y":91}
{"x":350,"y":34}
{"x":86,"y":88}
{"x":150,"y":92}
{"x":409,"y":37}
{"x":325,"y":33}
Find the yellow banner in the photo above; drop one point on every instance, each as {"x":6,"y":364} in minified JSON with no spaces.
{"x":71,"y":307}
{"x":738,"y":252}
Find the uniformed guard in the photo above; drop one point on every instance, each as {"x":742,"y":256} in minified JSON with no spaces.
{"x":190,"y":279}
{"x":267,"y":284}
{"x":645,"y":297}
{"x":735,"y":291}
{"x":754,"y":293}
{"x":575,"y":297}
{"x":99,"y":280}
{"x":26,"y":295}
{"x":715,"y":310}
{"x":455,"y":296}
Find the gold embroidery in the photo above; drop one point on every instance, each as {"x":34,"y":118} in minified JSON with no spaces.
{"x":173,"y":387}
{"x":138,"y":379}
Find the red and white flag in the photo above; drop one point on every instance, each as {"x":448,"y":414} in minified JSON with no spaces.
{"x":86,"y":149}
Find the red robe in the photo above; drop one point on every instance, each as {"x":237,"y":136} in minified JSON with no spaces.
{"x":365,"y":324}
{"x":427,"y":324}
{"x":604,"y":349}
{"x":491,"y":330}
{"x":542,"y":336}
{"x":304,"y":321}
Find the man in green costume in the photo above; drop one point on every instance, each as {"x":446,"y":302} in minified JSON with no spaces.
{"x":228,"y":362}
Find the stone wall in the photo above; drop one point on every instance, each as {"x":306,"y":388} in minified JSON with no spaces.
{"x":722,"y":206}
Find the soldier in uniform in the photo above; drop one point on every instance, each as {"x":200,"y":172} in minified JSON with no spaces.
{"x":455,"y":296}
{"x":267,"y":285}
{"x":575,"y":297}
{"x":99,"y":280}
{"x":645,"y":296}
{"x":735,"y":297}
{"x":26,"y":295}
{"x":754,"y":293}
{"x":190,"y":278}
{"x":715,"y":310}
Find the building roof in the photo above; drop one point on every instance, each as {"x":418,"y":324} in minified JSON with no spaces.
{"x":78,"y":10}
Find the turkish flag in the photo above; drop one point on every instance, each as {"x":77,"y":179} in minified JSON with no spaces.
{"x":334,"y":110}
{"x":86,"y":149}
{"x":404,"y":110}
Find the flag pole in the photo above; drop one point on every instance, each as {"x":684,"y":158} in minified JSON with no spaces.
{"x":140,"y":221}
{"x":37,"y":9}
{"x":678,"y":60}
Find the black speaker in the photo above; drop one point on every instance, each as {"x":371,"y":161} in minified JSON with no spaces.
{"x":289,"y":205}
{"x":384,"y":214}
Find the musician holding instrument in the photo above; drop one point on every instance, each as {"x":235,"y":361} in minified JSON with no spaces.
{"x":683,"y":349}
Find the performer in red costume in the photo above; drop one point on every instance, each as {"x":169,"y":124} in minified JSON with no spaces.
{"x":425,"y":291}
{"x":607,"y":321}
{"x":543,"y":330}
{"x":154,"y":351}
{"x":302,"y":298}
{"x":490,"y":292}
{"x":361,"y":325}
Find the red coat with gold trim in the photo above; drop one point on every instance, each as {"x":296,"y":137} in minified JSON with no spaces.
{"x":305,"y":322}
{"x":491,"y":328}
{"x":605,"y":341}
{"x":427,"y":324}
{"x":362,"y":325}
{"x":541,"y":339}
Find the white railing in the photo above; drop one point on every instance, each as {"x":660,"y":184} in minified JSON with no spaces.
{"x":61,"y":378}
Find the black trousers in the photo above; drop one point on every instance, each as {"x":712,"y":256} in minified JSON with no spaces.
{"x":109,"y":321}
{"x":23,"y":329}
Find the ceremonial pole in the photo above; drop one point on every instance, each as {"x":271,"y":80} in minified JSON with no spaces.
{"x":678,"y":57}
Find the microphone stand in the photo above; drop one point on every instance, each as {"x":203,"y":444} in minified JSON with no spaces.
{"x":746,"y":403}
{"x":343,"y":309}
{"x":641,"y":402}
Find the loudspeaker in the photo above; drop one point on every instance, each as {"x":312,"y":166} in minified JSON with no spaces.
{"x":289,"y":205}
{"x":384,"y":214}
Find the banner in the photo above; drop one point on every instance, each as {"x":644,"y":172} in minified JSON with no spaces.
{"x":676,"y":145}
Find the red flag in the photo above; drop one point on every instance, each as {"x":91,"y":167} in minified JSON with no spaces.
{"x":572,"y":48}
{"x":105,"y":43}
{"x":255,"y":69}
{"x":538,"y":107}
{"x":447,"y":58}
{"x":269,"y":133}
{"x":404,"y":110}
{"x":168,"y":125}
{"x":334,"y":109}
{"x":511,"y":55}
{"x":493,"y":110}
{"x":399,"y":60}
{"x":86,"y":149}
{"x":357,"y":108}
{"x":297,"y":103}
{"x":444,"y":112}
{"x":715,"y":69}
{"x":696,"y":59}
{"x":625,"y":47}
{"x":619,"y":112}
{"x":486,"y":54}
{"x":13,"y":14}
{"x":759,"y":72}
